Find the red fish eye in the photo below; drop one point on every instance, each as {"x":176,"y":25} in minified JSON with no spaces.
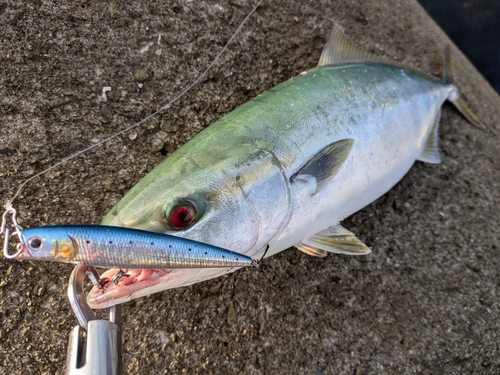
{"x":182,"y":216}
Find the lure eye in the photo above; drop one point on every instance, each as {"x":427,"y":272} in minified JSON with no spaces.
{"x":182,"y":215}
{"x":35,"y":243}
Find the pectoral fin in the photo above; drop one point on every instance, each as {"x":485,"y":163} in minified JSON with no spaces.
{"x":327,"y":162}
{"x":311,"y":250}
{"x":336,"y":239}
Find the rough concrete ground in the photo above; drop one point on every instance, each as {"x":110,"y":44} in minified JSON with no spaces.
{"x":425,"y":301}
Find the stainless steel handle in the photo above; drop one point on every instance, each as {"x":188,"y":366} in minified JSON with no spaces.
{"x":98,"y":352}
{"x":95,"y":346}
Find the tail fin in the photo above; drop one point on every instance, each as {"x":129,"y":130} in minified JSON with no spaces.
{"x":455,"y":97}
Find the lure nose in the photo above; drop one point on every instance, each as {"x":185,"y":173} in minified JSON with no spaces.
{"x":22,"y":251}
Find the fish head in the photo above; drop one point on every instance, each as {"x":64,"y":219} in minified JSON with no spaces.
{"x":230,"y":204}
{"x":237,"y":199}
{"x":46,"y":243}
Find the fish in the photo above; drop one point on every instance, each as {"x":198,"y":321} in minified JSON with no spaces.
{"x":128,"y":248}
{"x":284,"y":169}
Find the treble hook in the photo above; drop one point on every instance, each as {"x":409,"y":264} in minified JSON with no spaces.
{"x":6,"y":232}
{"x":257,"y":263}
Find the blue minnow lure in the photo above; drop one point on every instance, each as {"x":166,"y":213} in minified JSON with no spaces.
{"x":107,"y":246}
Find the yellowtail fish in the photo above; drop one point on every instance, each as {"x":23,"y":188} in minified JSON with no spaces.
{"x":287,"y":167}
{"x":105,"y":246}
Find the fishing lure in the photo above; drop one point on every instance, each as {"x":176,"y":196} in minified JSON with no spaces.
{"x":106,"y":246}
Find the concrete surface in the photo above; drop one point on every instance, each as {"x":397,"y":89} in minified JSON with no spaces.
{"x":425,"y":301}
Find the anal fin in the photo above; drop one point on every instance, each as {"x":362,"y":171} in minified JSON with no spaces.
{"x":430,"y":153}
{"x":335,"y":239}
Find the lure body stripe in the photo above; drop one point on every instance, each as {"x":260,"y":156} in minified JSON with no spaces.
{"x":106,"y":246}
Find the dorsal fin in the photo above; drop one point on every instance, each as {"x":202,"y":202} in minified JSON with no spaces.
{"x":339,"y":50}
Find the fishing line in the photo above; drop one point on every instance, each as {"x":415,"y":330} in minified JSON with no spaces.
{"x":8,"y":204}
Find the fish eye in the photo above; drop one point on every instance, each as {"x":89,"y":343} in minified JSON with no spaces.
{"x":35,"y":243}
{"x":182,"y":215}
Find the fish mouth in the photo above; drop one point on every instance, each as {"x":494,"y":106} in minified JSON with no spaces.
{"x":110,"y":292}
{"x":142,"y":282}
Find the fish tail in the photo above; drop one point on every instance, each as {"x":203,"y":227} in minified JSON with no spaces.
{"x":447,"y":67}
{"x":455,"y":97}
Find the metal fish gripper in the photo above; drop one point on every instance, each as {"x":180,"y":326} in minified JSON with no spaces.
{"x":95,"y":345}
